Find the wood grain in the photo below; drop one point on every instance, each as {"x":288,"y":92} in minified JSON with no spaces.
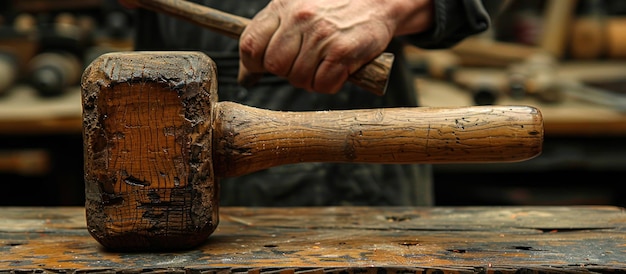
{"x":557,"y":17}
{"x":149,"y":180}
{"x":251,"y":139}
{"x":534,"y":239}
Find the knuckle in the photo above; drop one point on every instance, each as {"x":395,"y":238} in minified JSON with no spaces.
{"x":303,"y":15}
{"x":278,"y":63}
{"x":274,"y":66}
{"x":249,"y":47}
{"x":322,"y":31}
{"x":343,"y":50}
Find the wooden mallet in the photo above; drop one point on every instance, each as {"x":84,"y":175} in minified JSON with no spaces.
{"x":156,"y":142}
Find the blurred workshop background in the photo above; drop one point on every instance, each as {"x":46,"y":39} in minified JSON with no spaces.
{"x":566,"y":57}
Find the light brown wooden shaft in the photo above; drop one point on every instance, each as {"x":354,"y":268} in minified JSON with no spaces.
{"x":372,"y":77}
{"x":25,"y":162}
{"x":224,"y":23}
{"x":489,"y":53}
{"x":248,"y":139}
{"x":616,"y":39}
{"x":556,"y":23}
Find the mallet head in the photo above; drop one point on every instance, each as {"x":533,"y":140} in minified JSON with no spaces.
{"x":147,"y":144}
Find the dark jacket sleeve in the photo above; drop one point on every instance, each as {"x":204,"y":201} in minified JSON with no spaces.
{"x":454,"y":21}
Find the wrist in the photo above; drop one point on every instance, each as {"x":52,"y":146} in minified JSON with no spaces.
{"x":412,"y":16}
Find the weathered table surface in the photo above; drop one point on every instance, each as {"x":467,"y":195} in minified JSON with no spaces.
{"x":337,"y":239}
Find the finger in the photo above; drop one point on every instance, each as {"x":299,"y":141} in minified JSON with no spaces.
{"x":342,"y":58}
{"x":310,"y":56}
{"x":255,"y":38}
{"x":330,"y":77}
{"x":304,"y":68}
{"x":321,"y":65}
{"x":283,"y":49}
{"x":247,"y":79}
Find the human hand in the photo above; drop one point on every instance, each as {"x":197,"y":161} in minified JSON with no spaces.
{"x":317,"y":45}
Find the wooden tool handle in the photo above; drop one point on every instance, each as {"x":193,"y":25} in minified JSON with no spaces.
{"x":556,"y":21}
{"x":372,"y":77}
{"x":248,"y":139}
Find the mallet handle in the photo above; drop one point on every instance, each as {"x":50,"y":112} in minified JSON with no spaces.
{"x":248,"y":139}
{"x":372,"y":77}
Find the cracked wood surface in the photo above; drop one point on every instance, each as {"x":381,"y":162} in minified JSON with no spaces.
{"x":337,"y":240}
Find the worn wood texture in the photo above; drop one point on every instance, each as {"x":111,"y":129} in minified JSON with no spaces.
{"x":251,"y":139}
{"x":338,"y":240}
{"x":149,"y":178}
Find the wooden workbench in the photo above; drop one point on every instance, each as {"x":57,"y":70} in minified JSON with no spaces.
{"x":22,"y":111}
{"x":338,"y":240}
